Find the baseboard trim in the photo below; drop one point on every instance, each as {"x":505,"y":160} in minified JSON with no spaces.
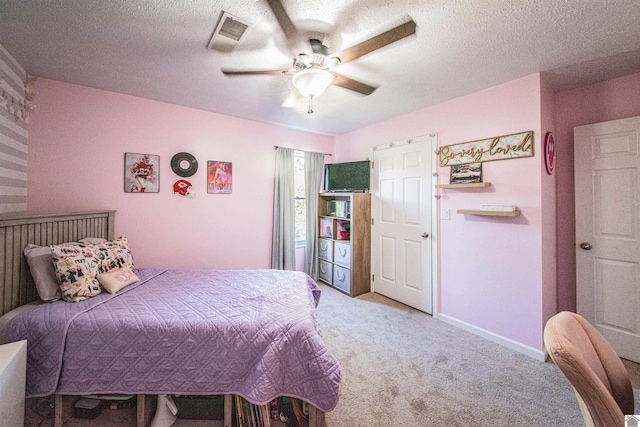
{"x":491,"y":336}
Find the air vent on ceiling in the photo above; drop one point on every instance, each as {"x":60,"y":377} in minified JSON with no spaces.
{"x":228,"y":33}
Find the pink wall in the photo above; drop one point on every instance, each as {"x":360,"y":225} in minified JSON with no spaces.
{"x":610,"y":100}
{"x":490,"y":268}
{"x":549,"y":207}
{"x":77,"y":140}
{"x":502,"y":279}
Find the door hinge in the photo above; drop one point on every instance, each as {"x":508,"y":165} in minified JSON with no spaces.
{"x":372,"y":163}
{"x":373,"y":277}
{"x":371,"y":221}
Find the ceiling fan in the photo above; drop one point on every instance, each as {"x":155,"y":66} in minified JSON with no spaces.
{"x":313,"y":63}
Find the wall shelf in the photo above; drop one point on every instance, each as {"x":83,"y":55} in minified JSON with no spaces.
{"x":488,"y":213}
{"x":469,"y":185}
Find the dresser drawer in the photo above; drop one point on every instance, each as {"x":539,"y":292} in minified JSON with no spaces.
{"x":342,"y":254}
{"x":325,"y":249}
{"x":326,"y":271}
{"x":342,"y":278}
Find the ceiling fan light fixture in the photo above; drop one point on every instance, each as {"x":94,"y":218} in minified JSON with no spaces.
{"x":312,"y":82}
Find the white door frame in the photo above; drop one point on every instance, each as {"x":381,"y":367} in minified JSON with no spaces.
{"x":432,"y":145}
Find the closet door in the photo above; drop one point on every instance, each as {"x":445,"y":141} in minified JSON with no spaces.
{"x":402,"y":227}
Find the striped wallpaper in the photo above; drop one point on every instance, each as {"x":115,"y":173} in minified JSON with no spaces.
{"x":13,"y":135}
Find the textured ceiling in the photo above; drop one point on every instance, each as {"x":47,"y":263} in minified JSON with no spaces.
{"x":157,"y":49}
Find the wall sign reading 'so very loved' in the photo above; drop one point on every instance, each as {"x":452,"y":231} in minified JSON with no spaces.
{"x":485,"y":150}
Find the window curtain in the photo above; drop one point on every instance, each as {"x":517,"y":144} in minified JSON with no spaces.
{"x":313,"y":172}
{"x":283,"y":246}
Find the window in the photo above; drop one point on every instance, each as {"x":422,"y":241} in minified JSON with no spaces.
{"x":301,"y":211}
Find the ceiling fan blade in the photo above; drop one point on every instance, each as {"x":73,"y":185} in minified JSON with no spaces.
{"x":256,"y":72}
{"x":292,"y":99}
{"x":376,"y":42}
{"x":353,"y":85}
{"x":295,"y":40}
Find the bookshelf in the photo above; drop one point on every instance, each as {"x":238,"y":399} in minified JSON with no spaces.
{"x":344,"y":244}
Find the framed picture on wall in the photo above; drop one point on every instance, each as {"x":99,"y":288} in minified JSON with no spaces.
{"x":219,"y":179}
{"x":466,"y":173}
{"x":141,"y":173}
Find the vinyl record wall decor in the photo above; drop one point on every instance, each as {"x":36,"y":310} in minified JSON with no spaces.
{"x":184,"y":164}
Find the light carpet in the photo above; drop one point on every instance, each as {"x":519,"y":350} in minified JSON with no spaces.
{"x":402,"y":368}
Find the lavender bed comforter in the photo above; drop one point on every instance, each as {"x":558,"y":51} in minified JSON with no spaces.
{"x":249,"y":332}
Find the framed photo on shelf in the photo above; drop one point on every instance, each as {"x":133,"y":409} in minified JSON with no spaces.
{"x":141,"y":173}
{"x":466,"y":173}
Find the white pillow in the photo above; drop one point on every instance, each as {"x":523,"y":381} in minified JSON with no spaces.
{"x":113,"y":281}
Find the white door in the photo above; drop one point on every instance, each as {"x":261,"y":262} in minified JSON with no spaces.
{"x":401,"y":235}
{"x":607,"y":175}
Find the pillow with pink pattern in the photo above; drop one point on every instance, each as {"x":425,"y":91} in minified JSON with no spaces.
{"x":115,"y":280}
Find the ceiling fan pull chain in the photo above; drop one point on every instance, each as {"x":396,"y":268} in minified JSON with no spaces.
{"x":310,"y":111}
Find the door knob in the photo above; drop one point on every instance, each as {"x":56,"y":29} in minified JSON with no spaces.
{"x":425,"y":235}
{"x":586,"y":246}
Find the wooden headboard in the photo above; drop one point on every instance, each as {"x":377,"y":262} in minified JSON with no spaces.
{"x":17,"y":231}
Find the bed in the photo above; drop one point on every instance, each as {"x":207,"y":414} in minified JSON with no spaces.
{"x":252,"y":333}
